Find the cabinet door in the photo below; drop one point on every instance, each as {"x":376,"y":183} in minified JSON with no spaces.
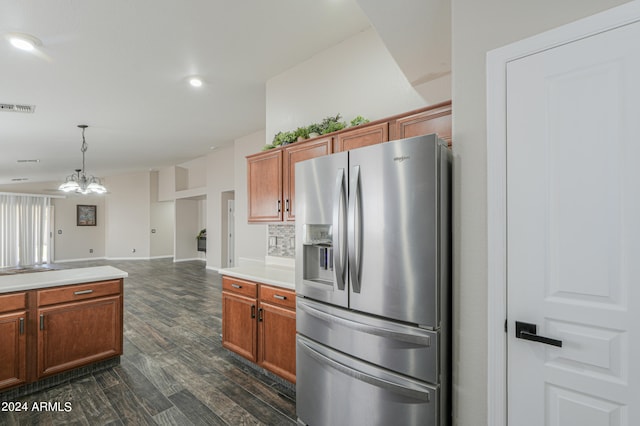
{"x":13,"y":361}
{"x":293,"y":154}
{"x":79,"y":333}
{"x":264,"y":187}
{"x":365,"y":136}
{"x":436,"y":120}
{"x":277,"y":340}
{"x":239,"y":325}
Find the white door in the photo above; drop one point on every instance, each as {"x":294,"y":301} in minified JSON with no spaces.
{"x":573,"y":232}
{"x":231,"y":225}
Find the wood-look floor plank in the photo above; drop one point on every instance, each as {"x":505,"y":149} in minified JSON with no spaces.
{"x":88,"y":396}
{"x":194,"y":409}
{"x":172,"y":417}
{"x":127,"y":406}
{"x":147,"y":394}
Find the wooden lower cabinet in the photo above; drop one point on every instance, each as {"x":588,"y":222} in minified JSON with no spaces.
{"x":13,"y":339}
{"x":259,"y":323}
{"x":13,"y":348}
{"x":239,"y":325}
{"x":74,"y":334}
{"x":277,"y":333}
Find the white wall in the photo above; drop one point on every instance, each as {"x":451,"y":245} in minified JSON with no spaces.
{"x":127,"y":214}
{"x":188,"y":224}
{"x":356,"y":77}
{"x":72,"y":242}
{"x":251,"y":239}
{"x":167,"y":184}
{"x":196,"y":172}
{"x":220,"y":167}
{"x":477,"y":28}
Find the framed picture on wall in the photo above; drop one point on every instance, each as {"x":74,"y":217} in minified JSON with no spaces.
{"x":86,"y":215}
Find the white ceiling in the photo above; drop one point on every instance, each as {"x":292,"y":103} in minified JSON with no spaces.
{"x":120,"y":66}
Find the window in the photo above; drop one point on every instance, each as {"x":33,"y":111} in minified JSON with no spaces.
{"x":24,"y":229}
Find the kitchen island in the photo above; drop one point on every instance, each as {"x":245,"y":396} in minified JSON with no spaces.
{"x":57,"y":324}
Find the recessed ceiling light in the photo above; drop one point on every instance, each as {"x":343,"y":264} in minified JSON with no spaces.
{"x":24,"y":41}
{"x":195,"y":81}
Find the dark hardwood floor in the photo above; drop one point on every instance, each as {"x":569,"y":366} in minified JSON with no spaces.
{"x":174,"y":370}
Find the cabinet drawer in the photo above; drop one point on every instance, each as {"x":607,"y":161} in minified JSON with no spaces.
{"x":238,"y":286}
{"x":278,"y":296}
{"x":13,"y":302}
{"x":78,"y":292}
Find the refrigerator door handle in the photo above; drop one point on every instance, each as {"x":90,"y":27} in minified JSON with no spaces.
{"x":364,"y":377}
{"x":353,"y":229}
{"x":339,"y":251}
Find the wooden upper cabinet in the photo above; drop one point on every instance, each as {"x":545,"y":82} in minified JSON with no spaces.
{"x":264,"y":181}
{"x":359,"y":137}
{"x":436,"y":119}
{"x":293,"y":154}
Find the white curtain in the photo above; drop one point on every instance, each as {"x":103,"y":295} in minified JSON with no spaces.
{"x":24,"y":229}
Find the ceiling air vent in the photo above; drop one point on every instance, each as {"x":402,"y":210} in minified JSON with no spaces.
{"x":17,"y":108}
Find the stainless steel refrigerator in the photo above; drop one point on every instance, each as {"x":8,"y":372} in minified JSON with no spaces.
{"x":373,"y":285}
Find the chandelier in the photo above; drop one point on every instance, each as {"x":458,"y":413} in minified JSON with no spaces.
{"x":78,"y":181}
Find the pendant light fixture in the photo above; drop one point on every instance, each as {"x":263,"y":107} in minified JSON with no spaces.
{"x":78,"y":181}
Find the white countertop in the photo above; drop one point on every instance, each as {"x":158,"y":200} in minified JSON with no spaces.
{"x":42,"y":279}
{"x":280,"y":276}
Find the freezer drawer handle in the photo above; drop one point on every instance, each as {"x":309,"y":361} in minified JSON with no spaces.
{"x":527,"y":331}
{"x":358,"y":326}
{"x":363,"y":377}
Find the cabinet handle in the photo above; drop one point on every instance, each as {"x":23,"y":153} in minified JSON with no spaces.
{"x":287,"y":205}
{"x":41,"y":321}
{"x":277,"y":296}
{"x":236,"y":286}
{"x":21,"y":326}
{"x":279,"y":203}
{"x":77,"y":293}
{"x":253,"y":311}
{"x":260,"y":315}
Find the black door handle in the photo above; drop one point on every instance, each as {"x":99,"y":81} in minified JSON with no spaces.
{"x":527,"y":331}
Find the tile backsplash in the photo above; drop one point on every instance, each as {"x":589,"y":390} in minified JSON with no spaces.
{"x":282,"y":240}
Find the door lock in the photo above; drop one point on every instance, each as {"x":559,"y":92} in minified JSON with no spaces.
{"x":527,"y":331}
